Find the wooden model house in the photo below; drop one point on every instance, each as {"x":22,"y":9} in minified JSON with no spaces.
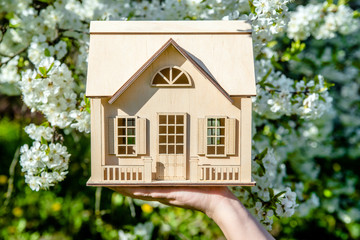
{"x":170,"y":102}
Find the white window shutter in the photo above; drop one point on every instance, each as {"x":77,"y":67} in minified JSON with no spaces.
{"x":201,"y":136}
{"x":141,"y":136}
{"x":230,"y":136}
{"x":111,"y":134}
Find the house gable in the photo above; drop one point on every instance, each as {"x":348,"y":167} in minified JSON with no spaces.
{"x":170,"y":43}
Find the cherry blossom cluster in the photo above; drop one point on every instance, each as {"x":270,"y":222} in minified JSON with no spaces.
{"x":322,"y":21}
{"x":50,"y":90}
{"x":268,"y":18}
{"x":44,"y":164}
{"x":268,"y":198}
{"x":279,"y":95}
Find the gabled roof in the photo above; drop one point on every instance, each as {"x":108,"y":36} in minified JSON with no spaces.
{"x":185,"y":54}
{"x":119,"y":48}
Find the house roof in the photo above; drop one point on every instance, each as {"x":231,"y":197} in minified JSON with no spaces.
{"x":221,"y":50}
{"x":186,"y":55}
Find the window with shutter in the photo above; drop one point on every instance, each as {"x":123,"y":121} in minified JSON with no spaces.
{"x":217,"y":136}
{"x":129,"y":133}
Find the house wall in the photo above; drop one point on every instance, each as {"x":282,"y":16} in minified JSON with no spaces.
{"x":201,"y":100}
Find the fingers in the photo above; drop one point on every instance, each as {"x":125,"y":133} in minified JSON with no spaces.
{"x":147,"y":193}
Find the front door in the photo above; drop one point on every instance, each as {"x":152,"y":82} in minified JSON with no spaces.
{"x":171,"y":160}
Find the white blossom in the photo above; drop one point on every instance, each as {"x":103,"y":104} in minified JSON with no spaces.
{"x":9,"y":71}
{"x":44,"y":165}
{"x":38,"y":132}
{"x":321,"y":21}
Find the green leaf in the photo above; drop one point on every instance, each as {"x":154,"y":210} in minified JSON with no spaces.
{"x":276,"y":64}
{"x":261,"y":155}
{"x":47,"y":52}
{"x":252,"y":7}
{"x":272,"y":43}
{"x":262,"y":82}
{"x":279,"y":194}
{"x":43,"y":141}
{"x":356,"y":14}
{"x":45,"y":124}
{"x":51,"y":66}
{"x":271,"y":191}
{"x":43,"y":71}
{"x":292,"y":51}
{"x":342,"y":2}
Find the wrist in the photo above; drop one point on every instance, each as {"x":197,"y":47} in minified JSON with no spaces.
{"x":221,"y":203}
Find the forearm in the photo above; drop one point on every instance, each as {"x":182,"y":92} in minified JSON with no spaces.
{"x":235,"y":221}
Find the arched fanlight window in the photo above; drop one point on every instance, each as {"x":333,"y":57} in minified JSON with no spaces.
{"x":171,"y":77}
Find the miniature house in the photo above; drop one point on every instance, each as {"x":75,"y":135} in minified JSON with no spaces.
{"x":170,"y":102}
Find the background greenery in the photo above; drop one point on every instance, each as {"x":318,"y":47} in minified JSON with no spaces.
{"x":73,"y":211}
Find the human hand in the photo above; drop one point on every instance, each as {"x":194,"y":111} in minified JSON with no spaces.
{"x":204,"y":199}
{"x":219,"y":203}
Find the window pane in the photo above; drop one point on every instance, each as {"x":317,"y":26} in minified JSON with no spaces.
{"x":210,"y":140}
{"x":220,"y":150}
{"x":182,"y":79}
{"x":122,"y":140}
{"x":162,"y":119}
{"x":171,"y":149}
{"x":131,"y":140}
{"x":179,"y":119}
{"x":122,"y":150}
{"x":220,"y":122}
{"x":211,"y":122}
{"x":121,"y":131}
{"x":121,"y":122}
{"x":220,"y":140}
{"x":166,"y":73}
{"x":162,"y":149}
{"x":158,"y":79}
{"x":171,"y":129}
{"x":175,"y":72}
{"x":222,"y":132}
{"x":211,"y":150}
{"x":179,"y":129}
{"x":179,"y":139}
{"x":211,"y":131}
{"x":171,"y":119}
{"x":131,"y":150}
{"x":131,"y":131}
{"x":162,"y":129}
{"x":131,"y":122}
{"x":171,"y":139}
{"x":179,"y":149}
{"x":162,"y":139}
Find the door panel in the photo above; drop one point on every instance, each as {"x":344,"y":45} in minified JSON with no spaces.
{"x":171,"y":160}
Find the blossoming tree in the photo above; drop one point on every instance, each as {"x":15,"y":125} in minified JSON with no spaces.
{"x":299,"y":55}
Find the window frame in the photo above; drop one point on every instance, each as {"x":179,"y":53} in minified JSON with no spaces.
{"x":171,"y":82}
{"x":118,"y":135}
{"x":218,"y":135}
{"x":175,"y":134}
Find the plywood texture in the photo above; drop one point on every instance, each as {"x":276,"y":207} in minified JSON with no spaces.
{"x":217,"y":59}
{"x":115,"y":57}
